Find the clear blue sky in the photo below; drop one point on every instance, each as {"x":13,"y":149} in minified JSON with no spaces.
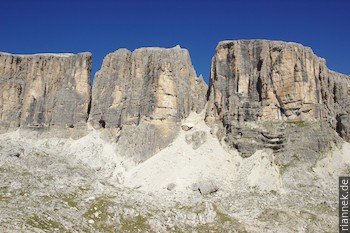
{"x":101,"y":27}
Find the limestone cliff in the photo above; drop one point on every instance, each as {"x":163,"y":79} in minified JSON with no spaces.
{"x":342,"y":104}
{"x":257,"y":81}
{"x":44,"y":90}
{"x":263,"y":94}
{"x":145,"y":93}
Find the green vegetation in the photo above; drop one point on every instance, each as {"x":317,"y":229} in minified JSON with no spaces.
{"x":308,"y":215}
{"x":98,"y":212}
{"x":40,"y":154}
{"x":273,"y":215}
{"x":70,"y":200}
{"x":191,"y":209}
{"x":283,"y":168}
{"x":297,"y":123}
{"x":4,"y":198}
{"x":23,"y":193}
{"x":273,"y":192}
{"x":225,"y":219}
{"x":44,"y":223}
{"x":223,"y":222}
{"x":296,"y":157}
{"x":137,"y":224}
{"x":2,"y":169}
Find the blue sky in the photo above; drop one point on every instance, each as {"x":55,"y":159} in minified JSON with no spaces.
{"x":104,"y":26}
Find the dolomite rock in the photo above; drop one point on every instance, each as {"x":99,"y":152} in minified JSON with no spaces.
{"x":257,"y":81}
{"x":145,"y":94}
{"x":205,"y":187}
{"x":342,"y":104}
{"x":197,"y":139}
{"x":44,"y":91}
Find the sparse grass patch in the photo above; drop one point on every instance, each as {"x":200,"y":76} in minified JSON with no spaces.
{"x":223,"y":222}
{"x":19,"y":172}
{"x":308,"y":215}
{"x":70,"y":200}
{"x":47,"y":198}
{"x":40,"y":154}
{"x":283,"y":168}
{"x":191,"y":209}
{"x":324,"y":207}
{"x":98,"y":212}
{"x":296,"y":123}
{"x":44,"y":223}
{"x":137,"y":224}
{"x":226,"y":220}
{"x":11,"y":171}
{"x":273,"y":192}
{"x":222,"y":216}
{"x":83,"y":188}
{"x":4,"y":198}
{"x":273,"y":215}
{"x":296,"y":157}
{"x":2,"y":169}
{"x":4,"y":195}
{"x":23,"y":193}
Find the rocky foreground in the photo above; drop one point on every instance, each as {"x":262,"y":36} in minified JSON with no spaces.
{"x":151,"y":149}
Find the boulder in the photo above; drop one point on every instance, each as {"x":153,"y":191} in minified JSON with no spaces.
{"x":205,"y":187}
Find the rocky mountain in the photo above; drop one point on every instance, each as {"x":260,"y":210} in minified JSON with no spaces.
{"x":143,"y":95}
{"x":259,"y":89}
{"x":149,"y":148}
{"x":44,"y":91}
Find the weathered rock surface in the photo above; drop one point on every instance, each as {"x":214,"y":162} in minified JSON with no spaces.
{"x":256,"y":81}
{"x":44,"y":90}
{"x":342,"y":104}
{"x":59,"y":184}
{"x":205,"y":187}
{"x":145,"y":93}
{"x":197,"y":139}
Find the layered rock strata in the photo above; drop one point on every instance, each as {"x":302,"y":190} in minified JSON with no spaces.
{"x":342,"y":104}
{"x":145,"y":94}
{"x":263,"y":94}
{"x":255,"y":82}
{"x":44,"y":91}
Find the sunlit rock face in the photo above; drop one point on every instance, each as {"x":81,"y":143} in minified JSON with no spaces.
{"x":43,"y":91}
{"x":262,"y":94}
{"x":257,"y":81}
{"x":145,"y":94}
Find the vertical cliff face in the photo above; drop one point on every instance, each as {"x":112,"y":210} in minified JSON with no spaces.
{"x":342,"y":104}
{"x":44,"y":90}
{"x":145,"y":93}
{"x":263,"y":94}
{"x":150,"y":84}
{"x":267,"y":80}
{"x":257,"y":81}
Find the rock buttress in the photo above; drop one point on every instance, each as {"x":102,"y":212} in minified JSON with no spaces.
{"x":263,"y":94}
{"x":143,"y":95}
{"x":43,"y":91}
